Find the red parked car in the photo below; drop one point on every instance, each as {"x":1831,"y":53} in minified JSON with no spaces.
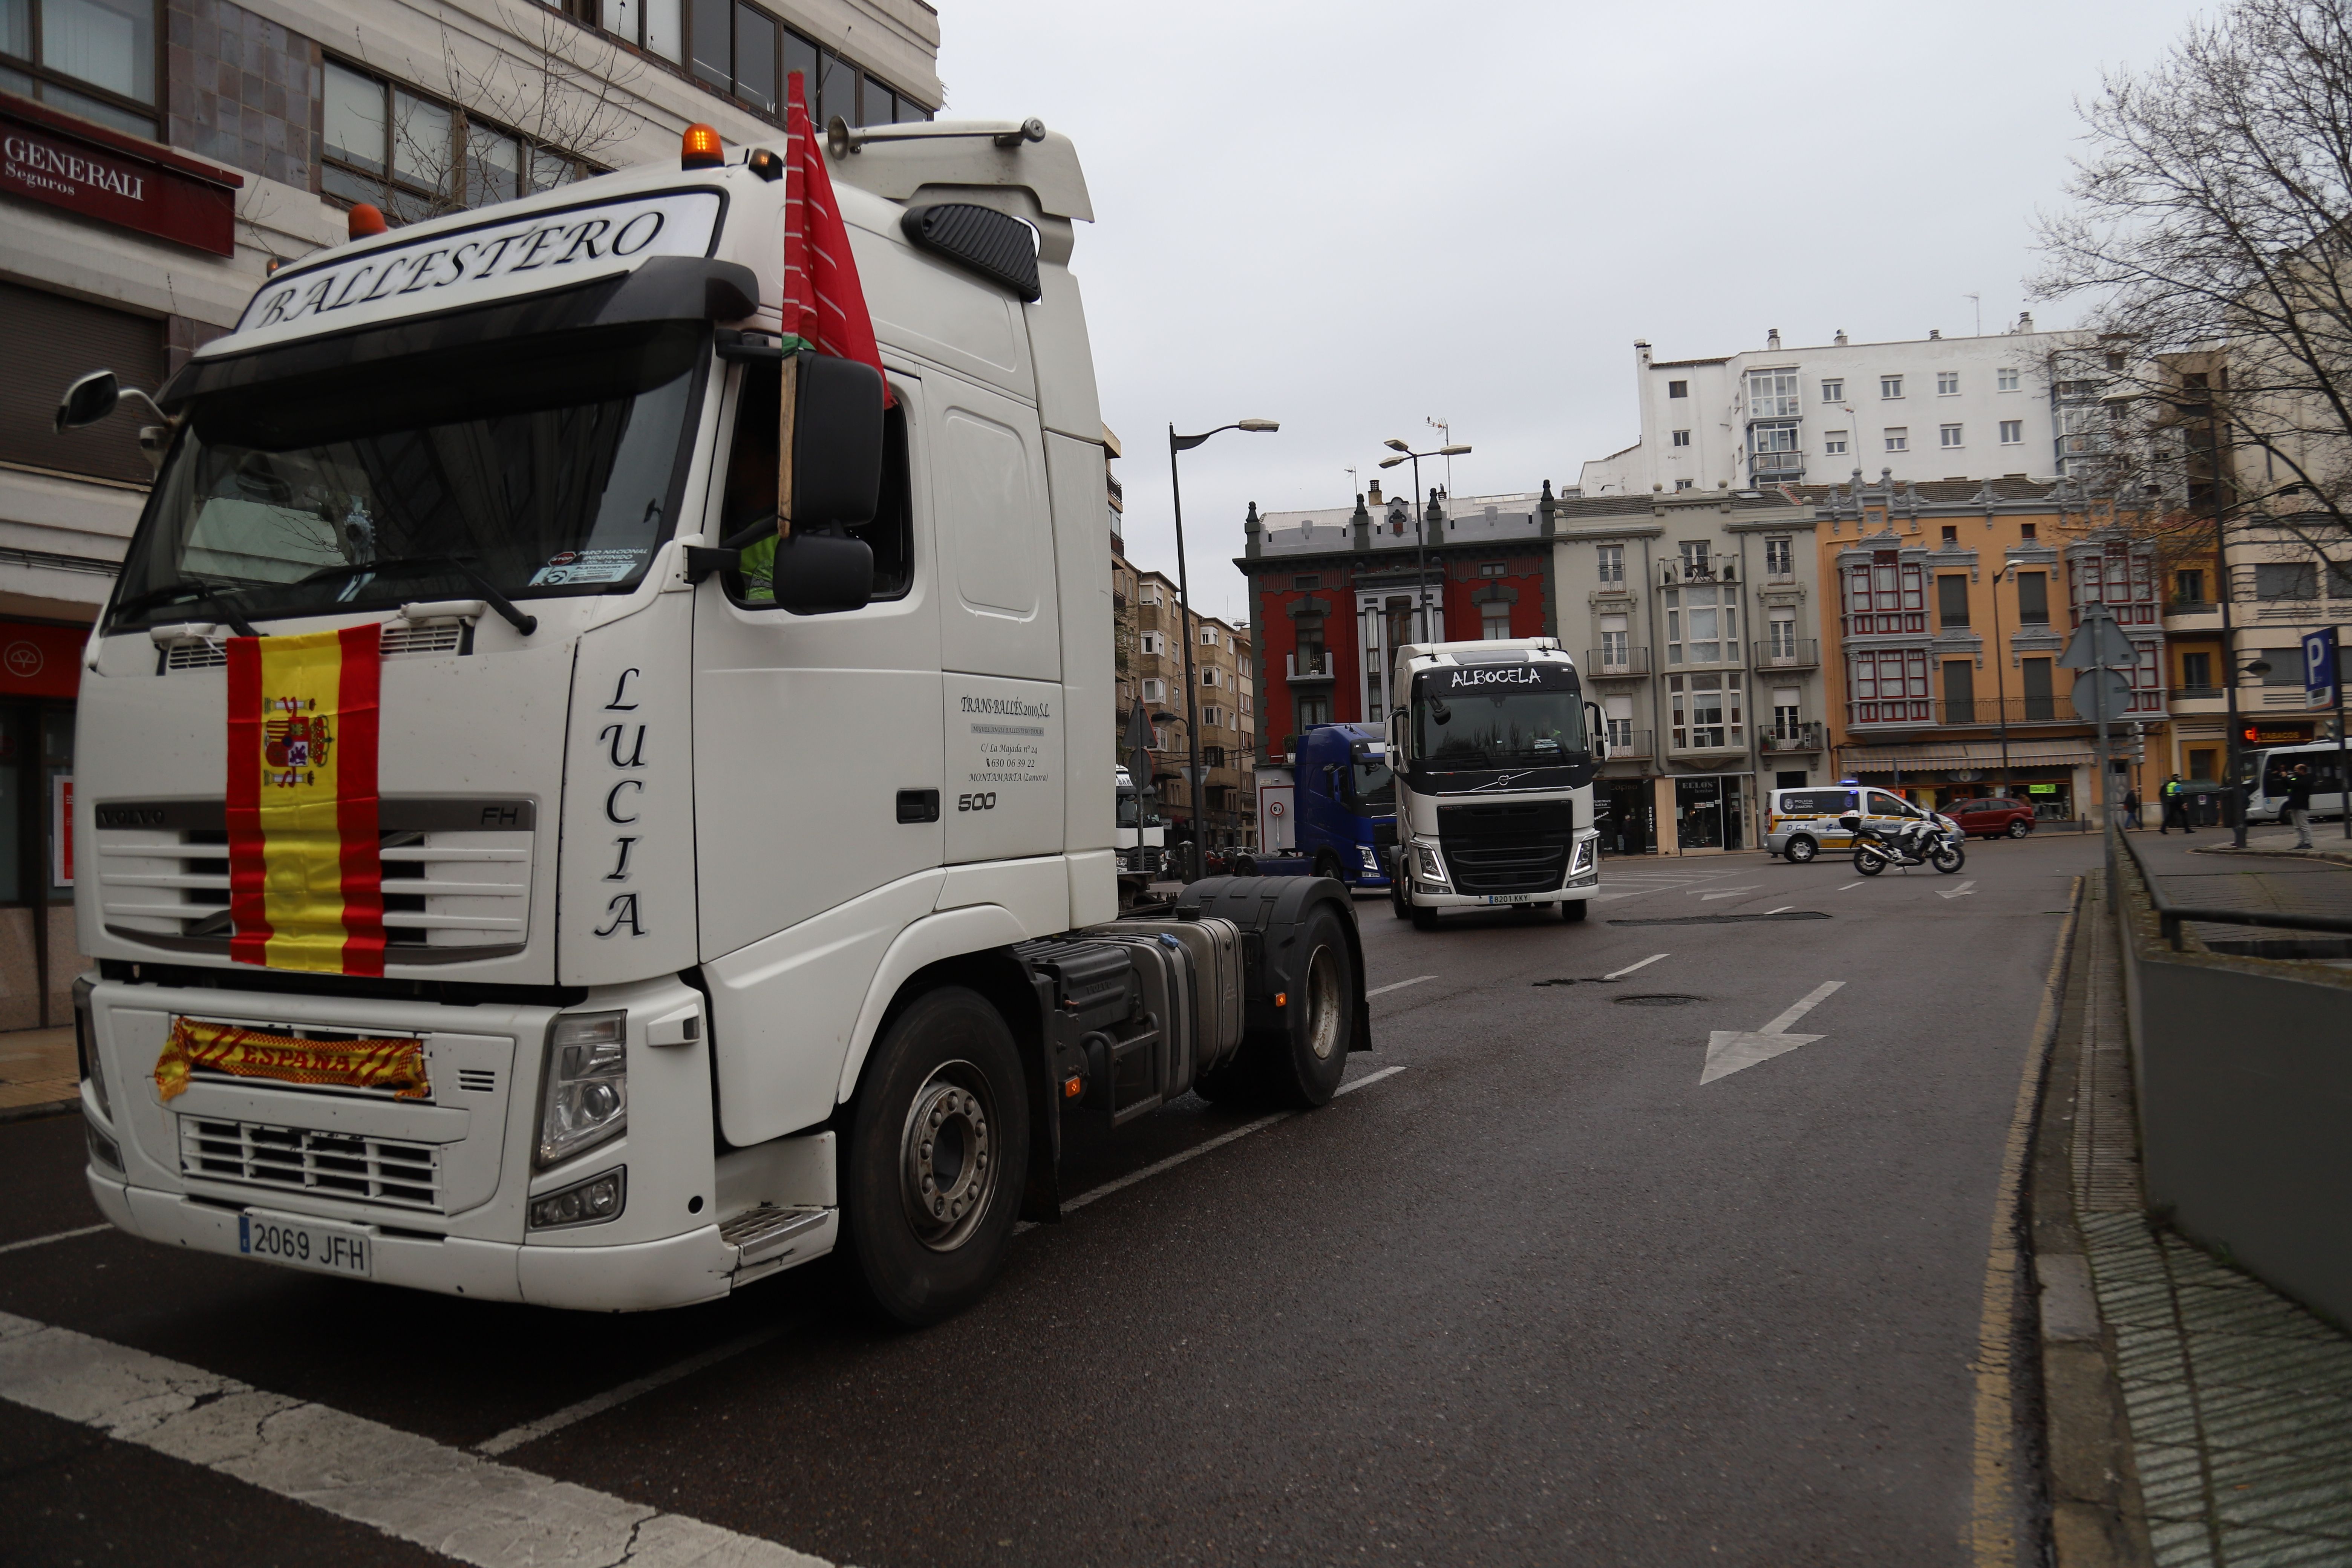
{"x":1993,"y":818}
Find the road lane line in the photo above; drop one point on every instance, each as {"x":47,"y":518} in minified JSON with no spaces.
{"x":1783,"y":910}
{"x":410,"y":1487}
{"x":1397,"y":985}
{"x":1631,"y":967}
{"x":1354,"y":1084}
{"x":60,"y":1235}
{"x":596,"y":1404}
{"x":1854,"y":885}
{"x":1995,"y":1507}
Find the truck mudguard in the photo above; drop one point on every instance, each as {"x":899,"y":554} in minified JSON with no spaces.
{"x":1271,"y":913}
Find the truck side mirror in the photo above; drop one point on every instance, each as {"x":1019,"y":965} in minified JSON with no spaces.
{"x":816,"y":574}
{"x":89,"y":400}
{"x":836,"y":443}
{"x":1596,"y":731}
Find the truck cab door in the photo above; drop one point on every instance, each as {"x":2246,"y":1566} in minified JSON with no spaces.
{"x":818,"y":766}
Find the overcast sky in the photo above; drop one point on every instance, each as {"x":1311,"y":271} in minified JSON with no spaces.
{"x":1352,"y":217}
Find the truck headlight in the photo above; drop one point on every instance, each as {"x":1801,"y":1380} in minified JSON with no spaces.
{"x":1372,"y":861}
{"x":586,"y":1099}
{"x":1588,"y":853}
{"x":593,"y":1202}
{"x":86,"y":1048}
{"x":1429,"y":867}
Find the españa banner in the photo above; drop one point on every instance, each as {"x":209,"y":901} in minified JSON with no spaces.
{"x":305,"y":877}
{"x":397,"y":1065}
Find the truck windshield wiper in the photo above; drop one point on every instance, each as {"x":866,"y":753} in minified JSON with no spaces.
{"x":505,"y":607}
{"x":197,"y":589}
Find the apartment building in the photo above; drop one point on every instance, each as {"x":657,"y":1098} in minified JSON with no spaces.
{"x":1335,"y":591}
{"x":1695,"y":619}
{"x":161,"y":153}
{"x":1953,"y":603}
{"x":1928,"y":408}
{"x":1225,"y":815}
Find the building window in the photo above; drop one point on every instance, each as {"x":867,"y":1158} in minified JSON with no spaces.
{"x":415,"y":157}
{"x":1947,"y":384}
{"x":2032,"y":598}
{"x":1788,"y":720}
{"x":1951,"y":435}
{"x":1707,"y":714}
{"x":1611,"y":562}
{"x":1899,"y":439}
{"x":1833,"y":443}
{"x":1208,"y":636}
{"x":1209,"y":676}
{"x":1309,"y":583}
{"x":1154,"y":643}
{"x":1952,"y":601}
{"x":1493,"y":568}
{"x":1494,"y":621}
{"x":1678,"y":389}
{"x":1780,"y":557}
{"x":1616,"y":652}
{"x":2286,"y":580}
{"x":1685,"y":484}
{"x":2197,"y":669}
{"x":1890,"y":386}
{"x":1773,"y":450}
{"x":2005,"y":381}
{"x":1155,"y":690}
{"x":742,"y":51}
{"x":92,"y":58}
{"x":1147,"y":595}
{"x":1889,"y":687}
{"x":1314,"y":710}
{"x":1682,"y":438}
{"x":1833,"y":391}
{"x":1951,"y":536}
{"x":1772,"y":395}
{"x":1783,"y":634}
{"x":2027,"y":532}
{"x":2012,"y":432}
{"x":1693,"y":554}
{"x":1702,"y":626}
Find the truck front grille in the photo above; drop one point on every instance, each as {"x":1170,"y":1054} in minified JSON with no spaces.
{"x":457,"y":876}
{"x":326,"y":1164}
{"x":1486,"y":867}
{"x":1507,"y":845}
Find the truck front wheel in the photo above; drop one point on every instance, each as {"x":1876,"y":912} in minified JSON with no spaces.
{"x":1573,"y":909}
{"x":937,"y":1148}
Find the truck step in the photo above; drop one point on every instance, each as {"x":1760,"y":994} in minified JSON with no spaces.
{"x":767,"y":1231}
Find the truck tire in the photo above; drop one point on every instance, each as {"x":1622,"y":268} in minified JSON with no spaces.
{"x":1399,"y":904}
{"x":938,"y":1146}
{"x":1574,"y":909}
{"x":1327,"y":865}
{"x":1303,"y":1069}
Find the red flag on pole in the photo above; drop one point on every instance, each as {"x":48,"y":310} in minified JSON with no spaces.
{"x":823,"y":299}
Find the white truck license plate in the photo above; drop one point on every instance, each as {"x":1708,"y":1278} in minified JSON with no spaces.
{"x":1510,"y":897}
{"x":306,"y":1244}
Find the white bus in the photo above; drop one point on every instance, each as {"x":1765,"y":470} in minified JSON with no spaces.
{"x":2264,"y":774}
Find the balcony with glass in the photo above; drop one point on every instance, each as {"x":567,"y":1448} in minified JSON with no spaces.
{"x":1793,"y":736}
{"x":1626,"y":743}
{"x":1616,"y":657}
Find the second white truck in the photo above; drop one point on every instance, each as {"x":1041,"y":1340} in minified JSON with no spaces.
{"x":1494,"y":748}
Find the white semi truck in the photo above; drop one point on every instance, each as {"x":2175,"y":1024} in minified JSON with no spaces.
{"x":1494,"y":748}
{"x":734,"y":908}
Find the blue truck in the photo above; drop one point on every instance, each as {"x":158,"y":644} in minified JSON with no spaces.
{"x":1332,"y":811}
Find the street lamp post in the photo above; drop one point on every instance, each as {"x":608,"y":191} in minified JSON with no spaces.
{"x":2001,"y":676}
{"x":1420,"y":540}
{"x":1193,"y":789}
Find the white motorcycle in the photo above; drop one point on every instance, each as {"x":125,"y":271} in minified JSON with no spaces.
{"x":1919,"y":841}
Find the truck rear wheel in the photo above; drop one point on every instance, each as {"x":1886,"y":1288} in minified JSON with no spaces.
{"x":1304,"y":1069}
{"x":938,"y":1145}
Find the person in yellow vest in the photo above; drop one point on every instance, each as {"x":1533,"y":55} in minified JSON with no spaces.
{"x":2176,"y":806}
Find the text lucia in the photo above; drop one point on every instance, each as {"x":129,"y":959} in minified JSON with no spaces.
{"x":622,"y":747}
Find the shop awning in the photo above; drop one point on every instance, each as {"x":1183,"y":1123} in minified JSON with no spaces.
{"x":1945,"y":755}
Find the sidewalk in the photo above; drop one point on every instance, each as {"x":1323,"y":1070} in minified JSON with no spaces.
{"x":2203,"y":869}
{"x":38,"y":1069}
{"x":2233,"y":1444}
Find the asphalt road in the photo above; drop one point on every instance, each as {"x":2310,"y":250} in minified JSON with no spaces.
{"x":1541,"y":1296}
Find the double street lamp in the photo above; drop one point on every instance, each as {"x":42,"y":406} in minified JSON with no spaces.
{"x":1194,"y":788}
{"x":1421,"y":545}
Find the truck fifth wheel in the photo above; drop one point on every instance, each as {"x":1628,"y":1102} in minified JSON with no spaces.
{"x":530,"y":869}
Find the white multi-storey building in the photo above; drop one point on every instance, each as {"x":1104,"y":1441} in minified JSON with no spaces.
{"x":1929,"y":408}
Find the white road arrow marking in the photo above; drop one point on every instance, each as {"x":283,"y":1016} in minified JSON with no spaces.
{"x":1631,"y":967}
{"x":1729,"y":1051}
{"x":1961,"y":891}
{"x":1728,"y":893}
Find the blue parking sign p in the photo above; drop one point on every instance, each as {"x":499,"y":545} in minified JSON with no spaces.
{"x":2319,"y":679}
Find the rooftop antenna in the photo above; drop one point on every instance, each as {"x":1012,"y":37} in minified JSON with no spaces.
{"x":1977,"y":300}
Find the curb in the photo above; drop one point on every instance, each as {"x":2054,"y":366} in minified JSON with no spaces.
{"x":2096,"y":1516}
{"x":36,"y":1113}
{"x":2328,"y":855}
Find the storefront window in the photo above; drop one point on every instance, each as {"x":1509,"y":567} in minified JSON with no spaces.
{"x":1707,"y":813}
{"x":15,"y":746}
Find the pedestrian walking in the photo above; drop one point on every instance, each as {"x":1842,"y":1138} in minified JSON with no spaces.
{"x":2298,"y":804}
{"x":2131,"y":809}
{"x":2175,"y":795}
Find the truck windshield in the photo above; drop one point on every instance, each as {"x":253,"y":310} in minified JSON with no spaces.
{"x":545,"y":466}
{"x":1135,"y":810}
{"x":1465,"y":724}
{"x":1373,"y":789}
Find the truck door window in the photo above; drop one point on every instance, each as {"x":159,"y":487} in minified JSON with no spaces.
{"x":751,"y":490}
